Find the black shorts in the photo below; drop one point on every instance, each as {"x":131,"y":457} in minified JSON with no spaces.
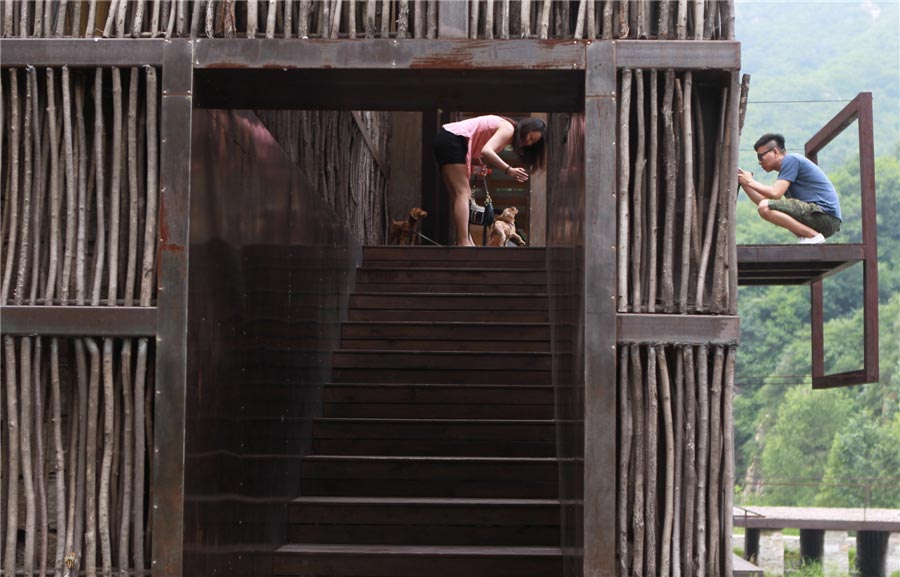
{"x":450,"y":148}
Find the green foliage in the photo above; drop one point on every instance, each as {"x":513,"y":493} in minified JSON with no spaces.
{"x":863,"y":466}
{"x":799,"y":443}
{"x":817,"y":51}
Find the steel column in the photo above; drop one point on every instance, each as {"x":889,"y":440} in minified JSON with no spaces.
{"x":171,"y":344}
{"x":599,"y":312}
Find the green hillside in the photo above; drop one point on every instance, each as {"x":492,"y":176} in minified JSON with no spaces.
{"x":796,"y":446}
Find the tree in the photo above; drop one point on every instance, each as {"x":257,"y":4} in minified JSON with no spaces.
{"x":797,"y":446}
{"x":863,"y":465}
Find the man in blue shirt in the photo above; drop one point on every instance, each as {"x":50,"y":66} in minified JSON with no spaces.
{"x":802,"y":200}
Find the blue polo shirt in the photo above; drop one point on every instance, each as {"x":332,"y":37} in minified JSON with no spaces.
{"x":809,"y":183}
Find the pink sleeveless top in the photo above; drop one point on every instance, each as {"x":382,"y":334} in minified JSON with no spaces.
{"x":478,"y":130}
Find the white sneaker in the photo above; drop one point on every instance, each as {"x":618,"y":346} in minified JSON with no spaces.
{"x":818,"y":239}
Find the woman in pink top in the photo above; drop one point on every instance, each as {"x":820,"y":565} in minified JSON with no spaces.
{"x":483,"y":137}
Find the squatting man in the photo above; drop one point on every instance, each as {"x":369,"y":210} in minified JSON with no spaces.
{"x":802,"y":200}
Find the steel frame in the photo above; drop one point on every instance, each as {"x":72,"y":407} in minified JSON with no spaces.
{"x":860,"y":110}
{"x":596,"y":62}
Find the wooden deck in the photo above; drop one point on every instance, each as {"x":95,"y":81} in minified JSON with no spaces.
{"x":821,"y":518}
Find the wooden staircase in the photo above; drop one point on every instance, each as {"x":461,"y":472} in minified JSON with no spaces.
{"x":435,"y":452}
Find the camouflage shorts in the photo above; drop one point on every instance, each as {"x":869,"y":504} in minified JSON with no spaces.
{"x":809,"y":214}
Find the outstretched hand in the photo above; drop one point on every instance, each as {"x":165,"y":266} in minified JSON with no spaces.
{"x":518,"y":173}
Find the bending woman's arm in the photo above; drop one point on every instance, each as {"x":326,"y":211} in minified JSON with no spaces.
{"x":502,"y":136}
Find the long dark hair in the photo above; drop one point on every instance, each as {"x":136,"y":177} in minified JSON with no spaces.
{"x":534,"y":156}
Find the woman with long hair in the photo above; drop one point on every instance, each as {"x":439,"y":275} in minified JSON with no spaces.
{"x":482,"y":138}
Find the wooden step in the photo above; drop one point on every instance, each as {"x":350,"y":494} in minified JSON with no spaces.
{"x":469,"y":367}
{"x":453,"y":257}
{"x":435,"y":437}
{"x":432,"y":279}
{"x":458,"y":375}
{"x":446,"y":336}
{"x":441,"y":360}
{"x":394,"y":476}
{"x":486,"y":303}
{"x":310,"y":560}
{"x":423,"y":521}
{"x":476,"y":313}
{"x":438,"y":401}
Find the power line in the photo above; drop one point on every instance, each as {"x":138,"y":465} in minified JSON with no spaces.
{"x":795,"y":101}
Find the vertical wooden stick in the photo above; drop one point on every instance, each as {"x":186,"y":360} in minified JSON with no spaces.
{"x":12,"y":470}
{"x":651,"y":418}
{"x":128,"y":459}
{"x":690,"y":464}
{"x":728,"y":464}
{"x":688,"y":171}
{"x":253,"y":18}
{"x":665,"y":555}
{"x":90,"y":530}
{"x":637,"y":518}
{"x":432,"y":19}
{"x":62,"y":528}
{"x":54,"y":188}
{"x":579,"y":19}
{"x":270,"y":19}
{"x":525,"y":17}
{"x":14,"y":183}
{"x":607,"y":31}
{"x":403,"y":19}
{"x":100,"y":239}
{"x":39,"y":377}
{"x":712,"y":209}
{"x":638,"y":195}
{"x":624,"y":178}
{"x":71,"y":190}
{"x":698,"y":19}
{"x":653,"y":194}
{"x":103,"y":507}
{"x":668,"y":288}
{"x":27,"y":193}
{"x":504,"y":19}
{"x":625,"y":434}
{"x":678,"y":426}
{"x":545,"y":19}
{"x":702,"y":459}
{"x":25,"y":421}
{"x":715,"y":460}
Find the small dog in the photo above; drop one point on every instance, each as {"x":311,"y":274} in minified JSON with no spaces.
{"x":407,"y":231}
{"x":504,"y":228}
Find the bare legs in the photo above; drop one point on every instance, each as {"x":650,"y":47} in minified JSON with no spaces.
{"x":457,"y":180}
{"x":779,"y":218}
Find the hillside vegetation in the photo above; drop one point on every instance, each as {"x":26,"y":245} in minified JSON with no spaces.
{"x":796,"y":446}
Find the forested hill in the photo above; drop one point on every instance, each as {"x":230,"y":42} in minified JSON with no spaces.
{"x":796,"y":446}
{"x":819,"y":51}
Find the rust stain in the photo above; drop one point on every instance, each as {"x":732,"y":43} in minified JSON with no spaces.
{"x":164,"y":244}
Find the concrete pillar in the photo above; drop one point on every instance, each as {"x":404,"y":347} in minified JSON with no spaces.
{"x":771,"y":552}
{"x":871,"y":553}
{"x":893,"y":553}
{"x":836,"y":554}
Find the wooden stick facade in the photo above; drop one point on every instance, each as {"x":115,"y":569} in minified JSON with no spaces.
{"x":81,"y":214}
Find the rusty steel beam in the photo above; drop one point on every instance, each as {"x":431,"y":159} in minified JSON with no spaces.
{"x":171,"y":349}
{"x":835,"y":126}
{"x":860,"y":110}
{"x":678,"y":54}
{"x":680,"y":329}
{"x":78,"y":321}
{"x":385,"y":54}
{"x":81,"y":52}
